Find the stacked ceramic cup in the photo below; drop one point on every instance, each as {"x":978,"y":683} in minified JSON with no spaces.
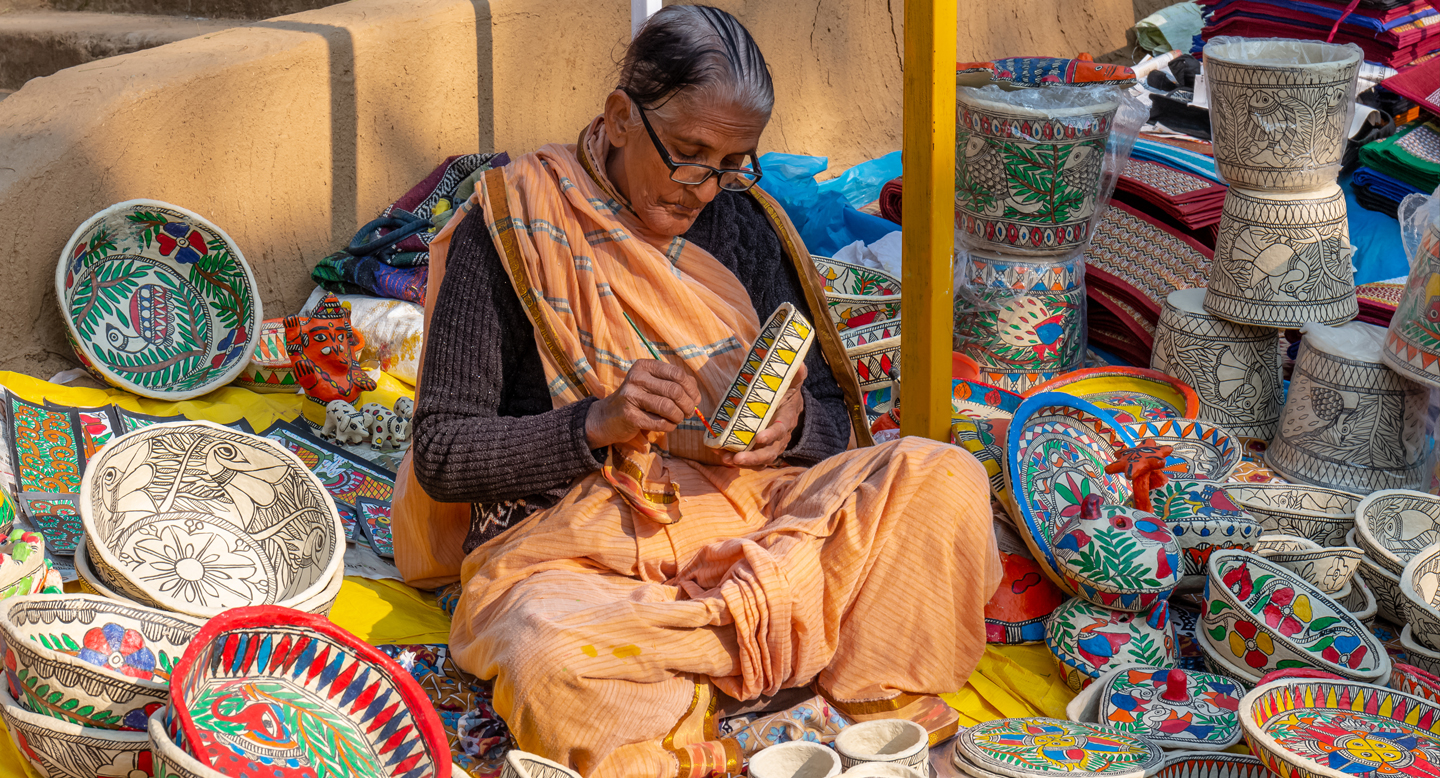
{"x":1028,"y":186}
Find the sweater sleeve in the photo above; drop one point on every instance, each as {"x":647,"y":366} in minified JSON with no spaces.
{"x":479,"y":351}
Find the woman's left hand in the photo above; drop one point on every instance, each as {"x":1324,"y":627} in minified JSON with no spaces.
{"x":772,"y":441}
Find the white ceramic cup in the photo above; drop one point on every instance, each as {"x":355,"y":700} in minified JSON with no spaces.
{"x":797,"y":759}
{"x":894,"y":741}
{"x":883,"y":770}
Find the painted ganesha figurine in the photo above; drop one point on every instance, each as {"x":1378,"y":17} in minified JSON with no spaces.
{"x":322,"y":348}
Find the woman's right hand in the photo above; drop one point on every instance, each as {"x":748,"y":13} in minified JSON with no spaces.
{"x":655,"y":397}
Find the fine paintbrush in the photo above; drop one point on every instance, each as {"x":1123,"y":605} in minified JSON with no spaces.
{"x":656,"y":355}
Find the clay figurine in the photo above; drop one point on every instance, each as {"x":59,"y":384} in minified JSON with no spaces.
{"x":405,"y":408}
{"x":1144,"y":465}
{"x":387,"y":429}
{"x":343,"y":423}
{"x":322,"y":351}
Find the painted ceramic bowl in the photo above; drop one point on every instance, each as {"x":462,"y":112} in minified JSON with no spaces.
{"x":874,"y":351}
{"x":61,"y":749}
{"x":1234,"y":368}
{"x":984,"y":438}
{"x":1271,"y":619}
{"x":1203,"y":519}
{"x":1386,"y":586}
{"x":1058,"y":447}
{"x":1329,"y":569}
{"x":1130,"y":394}
{"x":761,"y":382}
{"x":1023,"y":748}
{"x":1087,"y":639}
{"x":1360,"y":600}
{"x":90,"y":581}
{"x":1217,"y":662}
{"x":1408,"y":679}
{"x":1322,"y":515}
{"x":1412,"y":344}
{"x":1418,"y":654}
{"x":890,"y":741}
{"x":1278,"y":110}
{"x":22,"y":563}
{"x":519,"y":764}
{"x":157,"y":300}
{"x":1167,"y":706}
{"x":1017,"y":611}
{"x":1271,"y":543}
{"x":196,"y":518}
{"x":1393,"y":524}
{"x":1121,"y":558}
{"x":1420,"y":586}
{"x":795,"y":759}
{"x":269,"y":369}
{"x":91,"y":661}
{"x":1004,"y":149}
{"x":300,"y":667}
{"x":1340,"y":729}
{"x":1202,"y":451}
{"x":1203,"y":764}
{"x":858,"y":295}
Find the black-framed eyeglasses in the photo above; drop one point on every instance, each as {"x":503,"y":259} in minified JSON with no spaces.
{"x":695,"y":174}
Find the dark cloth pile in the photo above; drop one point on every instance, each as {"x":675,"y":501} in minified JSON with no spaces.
{"x":1395,"y":34}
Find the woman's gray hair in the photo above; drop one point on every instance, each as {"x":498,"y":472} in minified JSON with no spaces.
{"x":700,"y":51}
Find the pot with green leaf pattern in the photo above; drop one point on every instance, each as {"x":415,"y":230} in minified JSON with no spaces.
{"x":89,"y":660}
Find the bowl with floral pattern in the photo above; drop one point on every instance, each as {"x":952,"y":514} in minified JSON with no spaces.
{"x":1331,"y":569}
{"x":1421,"y":656}
{"x":1420,"y":586}
{"x":91,"y":661}
{"x":1340,"y":729}
{"x":64,"y":749}
{"x":1204,"y":520}
{"x":1118,"y":557}
{"x":1269,"y":618}
{"x":1217,"y":661}
{"x":1200,"y":450}
{"x":1394,"y":524}
{"x":1314,"y":512}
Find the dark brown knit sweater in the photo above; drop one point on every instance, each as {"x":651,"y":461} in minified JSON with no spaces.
{"x":485,"y":430}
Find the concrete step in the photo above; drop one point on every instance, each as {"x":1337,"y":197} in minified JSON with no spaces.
{"x":38,"y":43}
{"x":196,"y":9}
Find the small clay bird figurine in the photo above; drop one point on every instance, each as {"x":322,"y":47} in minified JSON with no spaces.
{"x":1144,"y":466}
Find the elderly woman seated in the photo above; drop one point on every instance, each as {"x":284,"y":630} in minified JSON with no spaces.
{"x":623,"y":579}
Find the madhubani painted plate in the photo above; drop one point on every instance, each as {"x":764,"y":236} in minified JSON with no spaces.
{"x":1263,"y":616}
{"x":1341,"y":729}
{"x":157,"y":300}
{"x":1058,"y":448}
{"x":1130,"y":394}
{"x":1029,"y":747}
{"x":1201,"y":451}
{"x":194,"y":517}
{"x":1394,"y":524}
{"x":267,"y":683}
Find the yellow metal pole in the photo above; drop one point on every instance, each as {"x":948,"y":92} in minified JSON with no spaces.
{"x":928,"y":215}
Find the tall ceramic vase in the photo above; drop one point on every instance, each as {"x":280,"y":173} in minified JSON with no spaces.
{"x":1234,"y":368}
{"x":1412,"y":346}
{"x":1350,"y":423}
{"x":1280,"y":110}
{"x":1027,"y":178}
{"x":1283,"y":259}
{"x":1021,"y":320}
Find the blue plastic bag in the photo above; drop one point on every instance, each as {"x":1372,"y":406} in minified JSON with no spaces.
{"x":823,"y":213}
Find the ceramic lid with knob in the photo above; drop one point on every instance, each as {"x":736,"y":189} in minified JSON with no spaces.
{"x":1166,"y":705}
{"x":1032,"y":747}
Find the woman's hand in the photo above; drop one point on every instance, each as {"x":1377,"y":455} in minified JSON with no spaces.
{"x":655,"y":397}
{"x":772,"y":441}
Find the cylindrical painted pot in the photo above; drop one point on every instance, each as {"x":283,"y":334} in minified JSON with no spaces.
{"x":1283,"y":259}
{"x":1412,"y":346}
{"x":1234,"y":368}
{"x":1021,"y":321}
{"x":1279,"y":111}
{"x":1027,"y":179}
{"x":1350,"y":423}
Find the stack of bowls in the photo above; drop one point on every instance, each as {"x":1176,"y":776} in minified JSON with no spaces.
{"x":83,"y":676}
{"x":196,"y":518}
{"x":1392,"y":526}
{"x":1044,"y":748}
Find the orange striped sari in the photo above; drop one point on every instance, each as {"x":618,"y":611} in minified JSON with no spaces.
{"x":609,"y":623}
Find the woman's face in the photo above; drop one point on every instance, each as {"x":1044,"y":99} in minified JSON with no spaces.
{"x":709,"y":132}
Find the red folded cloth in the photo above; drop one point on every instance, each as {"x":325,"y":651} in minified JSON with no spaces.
{"x":1418,"y":84}
{"x":1193,"y":201}
{"x":1378,"y":301}
{"x":890,"y":196}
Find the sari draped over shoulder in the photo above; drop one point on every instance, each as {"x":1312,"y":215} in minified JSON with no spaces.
{"x":610,"y":621}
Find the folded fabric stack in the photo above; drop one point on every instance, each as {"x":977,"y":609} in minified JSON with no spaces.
{"x":1133,"y":263}
{"x":1376,"y":191}
{"x":1187,"y":203}
{"x":1391,"y":33}
{"x":1378,"y":301}
{"x":1410,"y":156}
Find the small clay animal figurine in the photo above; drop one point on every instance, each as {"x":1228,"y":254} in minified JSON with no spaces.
{"x":387,"y":430}
{"x":322,"y":353}
{"x":343,"y":423}
{"x":1043,"y":71}
{"x":1144,"y":465}
{"x":405,"y":408}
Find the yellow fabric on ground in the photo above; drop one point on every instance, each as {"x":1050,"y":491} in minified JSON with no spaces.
{"x":1012,"y":681}
{"x":383,"y":612}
